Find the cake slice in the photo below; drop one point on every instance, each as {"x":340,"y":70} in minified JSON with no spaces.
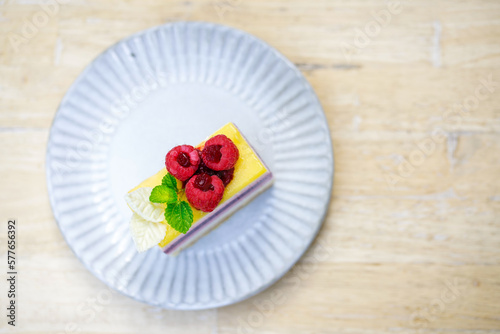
{"x":250,"y":177}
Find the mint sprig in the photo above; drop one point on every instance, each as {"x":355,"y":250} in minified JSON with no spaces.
{"x":178,"y":214}
{"x":163,"y":194}
{"x":169,"y":181}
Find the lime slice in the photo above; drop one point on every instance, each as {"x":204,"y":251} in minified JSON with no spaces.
{"x":146,"y":234}
{"x":138,"y":201}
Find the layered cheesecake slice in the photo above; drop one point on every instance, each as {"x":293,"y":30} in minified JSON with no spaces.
{"x":248,"y":177}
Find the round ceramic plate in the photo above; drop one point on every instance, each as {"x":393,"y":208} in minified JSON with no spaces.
{"x":171,"y":85}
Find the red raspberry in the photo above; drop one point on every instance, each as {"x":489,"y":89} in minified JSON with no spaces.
{"x":204,"y":169}
{"x":220,"y":153}
{"x":182,"y":161}
{"x":226,"y":176}
{"x":204,"y":192}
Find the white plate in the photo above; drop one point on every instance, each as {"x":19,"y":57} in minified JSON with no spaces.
{"x":171,"y":85}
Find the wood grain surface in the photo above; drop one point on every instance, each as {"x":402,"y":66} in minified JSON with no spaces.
{"x":411,"y":91}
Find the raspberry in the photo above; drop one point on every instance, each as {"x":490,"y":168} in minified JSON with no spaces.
{"x":182,"y":161}
{"x":212,"y":153}
{"x":204,"y":192}
{"x":204,"y":169}
{"x":226,"y":176}
{"x":203,"y":182}
{"x":220,"y":153}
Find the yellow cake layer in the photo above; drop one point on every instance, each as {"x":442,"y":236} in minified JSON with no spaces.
{"x":248,"y":168}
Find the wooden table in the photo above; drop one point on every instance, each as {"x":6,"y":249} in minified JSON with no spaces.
{"x":411,"y":242}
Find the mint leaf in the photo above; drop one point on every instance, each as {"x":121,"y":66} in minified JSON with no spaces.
{"x":169,"y":181}
{"x":163,"y":194}
{"x":179,"y":215}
